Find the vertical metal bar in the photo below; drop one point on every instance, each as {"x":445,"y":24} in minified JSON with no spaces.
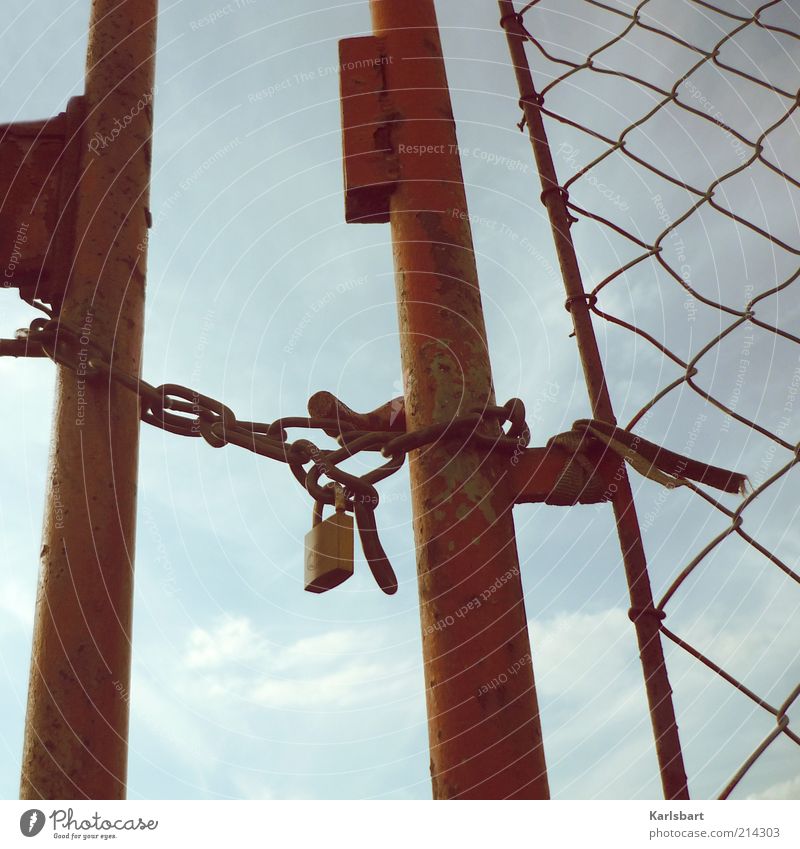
{"x":483,"y":718}
{"x":643,"y":613}
{"x":77,"y":721}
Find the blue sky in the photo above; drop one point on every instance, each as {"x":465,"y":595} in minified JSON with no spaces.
{"x":259,"y":294}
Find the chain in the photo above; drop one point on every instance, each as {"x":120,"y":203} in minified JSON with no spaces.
{"x":183,"y":411}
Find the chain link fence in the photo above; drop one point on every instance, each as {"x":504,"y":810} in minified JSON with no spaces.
{"x":674,"y":137}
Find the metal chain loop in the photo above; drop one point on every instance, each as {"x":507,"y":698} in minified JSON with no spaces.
{"x":183,"y":411}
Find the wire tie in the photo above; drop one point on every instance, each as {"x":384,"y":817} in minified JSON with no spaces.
{"x":533,"y":97}
{"x":636,"y":613}
{"x":514,"y":16}
{"x":589,"y":298}
{"x":560,"y":190}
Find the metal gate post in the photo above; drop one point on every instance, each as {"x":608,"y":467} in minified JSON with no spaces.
{"x":483,"y":718}
{"x":77,"y":720}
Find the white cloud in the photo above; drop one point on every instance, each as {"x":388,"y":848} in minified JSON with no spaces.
{"x":252,"y":787}
{"x":233,"y":640}
{"x":352,"y":684}
{"x":327,"y":670}
{"x":17,"y":602}
{"x":324,"y":647}
{"x":173,"y":723}
{"x":582,"y":653}
{"x":594,"y":712}
{"x":783,"y":790}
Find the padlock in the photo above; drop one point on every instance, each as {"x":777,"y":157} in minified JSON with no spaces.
{"x":329,"y":548}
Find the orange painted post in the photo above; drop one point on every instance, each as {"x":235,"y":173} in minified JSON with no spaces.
{"x":77,"y":721}
{"x":483,"y":718}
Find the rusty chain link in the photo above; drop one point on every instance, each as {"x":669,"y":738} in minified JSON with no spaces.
{"x":183,"y":411}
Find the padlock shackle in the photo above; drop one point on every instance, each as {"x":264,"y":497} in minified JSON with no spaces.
{"x":358,"y":486}
{"x":320,"y":494}
{"x":339,"y":498}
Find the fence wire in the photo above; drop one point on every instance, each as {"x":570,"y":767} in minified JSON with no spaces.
{"x":730,"y":168}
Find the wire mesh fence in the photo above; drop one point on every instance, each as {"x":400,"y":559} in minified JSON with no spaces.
{"x":675,"y":143}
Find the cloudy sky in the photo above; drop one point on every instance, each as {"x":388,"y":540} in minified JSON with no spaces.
{"x":243,"y":685}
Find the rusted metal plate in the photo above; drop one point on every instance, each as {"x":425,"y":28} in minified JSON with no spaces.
{"x":556,"y":476}
{"x":370,"y":166}
{"x":37,"y":174}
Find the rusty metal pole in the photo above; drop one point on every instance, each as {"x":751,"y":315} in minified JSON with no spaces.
{"x":643,"y":613}
{"x":483,"y":718}
{"x":77,"y":720}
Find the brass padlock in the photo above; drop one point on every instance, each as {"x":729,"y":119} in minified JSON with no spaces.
{"x":329,"y":548}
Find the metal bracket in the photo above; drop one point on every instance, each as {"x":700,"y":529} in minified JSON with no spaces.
{"x":39,"y":171}
{"x":570,"y":469}
{"x":371,"y":169}
{"x":557,"y":476}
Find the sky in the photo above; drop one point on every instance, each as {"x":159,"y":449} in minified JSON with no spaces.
{"x":259,"y":294}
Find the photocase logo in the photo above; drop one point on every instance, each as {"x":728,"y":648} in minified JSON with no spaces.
{"x":31,"y":822}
